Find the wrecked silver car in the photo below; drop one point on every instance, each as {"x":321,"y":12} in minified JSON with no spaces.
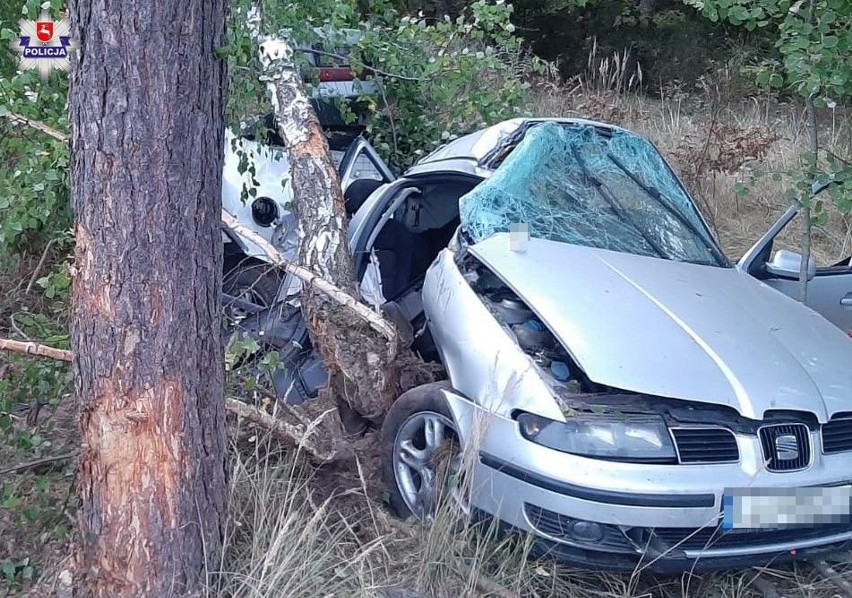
{"x":616,"y":386}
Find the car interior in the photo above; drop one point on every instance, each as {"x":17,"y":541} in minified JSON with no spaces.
{"x":408,"y":233}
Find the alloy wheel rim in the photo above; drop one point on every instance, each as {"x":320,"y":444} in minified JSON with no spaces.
{"x":416,"y":456}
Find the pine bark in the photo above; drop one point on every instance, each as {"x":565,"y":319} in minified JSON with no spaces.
{"x":147,"y":99}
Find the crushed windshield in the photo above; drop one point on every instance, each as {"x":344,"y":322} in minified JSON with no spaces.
{"x":579,"y":185}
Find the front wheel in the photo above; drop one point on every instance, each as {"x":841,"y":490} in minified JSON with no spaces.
{"x":422,"y":462}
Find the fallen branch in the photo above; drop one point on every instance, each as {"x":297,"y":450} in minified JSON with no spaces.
{"x":378,"y":323}
{"x":831,"y":574}
{"x":488,"y":586}
{"x":765,"y":587}
{"x":37,"y":270}
{"x":35,"y":349}
{"x":37,"y":463}
{"x":297,"y":435}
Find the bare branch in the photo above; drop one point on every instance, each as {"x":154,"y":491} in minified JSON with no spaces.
{"x":34,"y":277}
{"x":37,"y":124}
{"x":291,"y":434}
{"x":378,"y":323}
{"x":297,"y":435}
{"x":37,"y":463}
{"x":35,"y":349}
{"x":834,"y":577}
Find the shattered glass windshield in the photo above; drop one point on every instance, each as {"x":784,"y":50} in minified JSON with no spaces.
{"x":581,"y":185}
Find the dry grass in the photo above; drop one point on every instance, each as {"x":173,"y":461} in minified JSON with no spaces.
{"x":299,"y":531}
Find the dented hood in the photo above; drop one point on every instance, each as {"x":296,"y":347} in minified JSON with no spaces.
{"x":679,"y":330}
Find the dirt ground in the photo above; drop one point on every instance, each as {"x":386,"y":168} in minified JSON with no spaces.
{"x":37,"y":501}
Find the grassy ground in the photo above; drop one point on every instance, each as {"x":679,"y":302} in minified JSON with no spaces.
{"x":299,"y":531}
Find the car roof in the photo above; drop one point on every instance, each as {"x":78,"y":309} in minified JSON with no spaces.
{"x":466,"y":153}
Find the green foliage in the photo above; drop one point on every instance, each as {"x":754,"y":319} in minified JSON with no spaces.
{"x":814,"y":40}
{"x":469,"y":74}
{"x":32,"y":381}
{"x":34,"y":199}
{"x":17,"y":571}
{"x":813,"y":37}
{"x":438,"y":79}
{"x":251,"y":369}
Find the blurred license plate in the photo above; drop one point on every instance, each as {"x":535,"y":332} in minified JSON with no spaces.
{"x":775,"y":508}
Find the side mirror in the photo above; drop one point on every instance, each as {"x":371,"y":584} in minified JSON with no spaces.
{"x":787,"y":264}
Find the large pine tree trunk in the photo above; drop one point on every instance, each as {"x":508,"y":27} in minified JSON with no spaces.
{"x":147,"y":114}
{"x":362,"y":364}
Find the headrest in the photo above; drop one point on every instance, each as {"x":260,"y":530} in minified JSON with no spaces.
{"x":357,"y":193}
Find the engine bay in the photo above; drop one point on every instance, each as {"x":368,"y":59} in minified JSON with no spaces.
{"x":527,"y":329}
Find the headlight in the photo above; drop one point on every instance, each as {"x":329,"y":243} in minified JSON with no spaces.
{"x":638,"y":438}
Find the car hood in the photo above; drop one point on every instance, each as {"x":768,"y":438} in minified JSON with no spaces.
{"x":680,"y":330}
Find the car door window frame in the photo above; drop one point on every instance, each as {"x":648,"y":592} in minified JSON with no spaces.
{"x":370,"y":217}
{"x":755,"y":259}
{"x":361,"y":147}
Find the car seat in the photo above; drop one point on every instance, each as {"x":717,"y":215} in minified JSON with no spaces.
{"x":357,"y":193}
{"x":399,"y":251}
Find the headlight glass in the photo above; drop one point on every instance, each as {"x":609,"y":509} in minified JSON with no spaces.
{"x":637,"y":438}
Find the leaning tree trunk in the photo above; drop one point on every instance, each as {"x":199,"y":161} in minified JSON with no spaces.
{"x":147,"y":146}
{"x":361,"y":363}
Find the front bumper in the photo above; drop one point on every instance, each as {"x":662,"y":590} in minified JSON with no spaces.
{"x":662,"y":518}
{"x":516,"y":500}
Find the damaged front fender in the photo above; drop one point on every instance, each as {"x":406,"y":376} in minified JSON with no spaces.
{"x":474,"y":347}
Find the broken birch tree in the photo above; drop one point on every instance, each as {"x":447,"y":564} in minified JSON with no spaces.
{"x":362,"y":365}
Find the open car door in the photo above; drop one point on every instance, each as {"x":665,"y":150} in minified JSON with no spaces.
{"x":361,"y":161}
{"x":829,"y":287}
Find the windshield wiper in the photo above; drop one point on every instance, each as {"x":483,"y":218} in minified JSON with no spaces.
{"x":655,"y":194}
{"x":610,"y":199}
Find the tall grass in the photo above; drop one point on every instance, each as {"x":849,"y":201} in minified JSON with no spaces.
{"x":299,"y":531}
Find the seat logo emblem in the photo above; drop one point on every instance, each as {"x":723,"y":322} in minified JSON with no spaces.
{"x":786,"y":447}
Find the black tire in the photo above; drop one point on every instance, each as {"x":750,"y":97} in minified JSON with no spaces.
{"x":425,"y":398}
{"x":257,"y":283}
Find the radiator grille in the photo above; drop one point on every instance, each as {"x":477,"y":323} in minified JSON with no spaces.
{"x":786,"y":447}
{"x":706,"y":445}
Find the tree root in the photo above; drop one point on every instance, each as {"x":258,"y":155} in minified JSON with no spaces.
{"x":308,"y":434}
